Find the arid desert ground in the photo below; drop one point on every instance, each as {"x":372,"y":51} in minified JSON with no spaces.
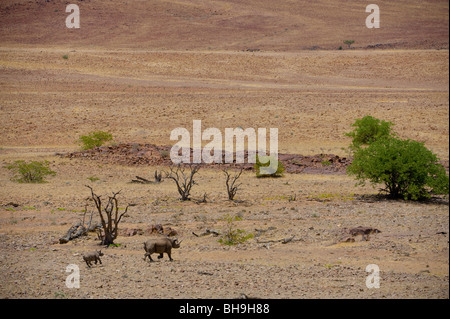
{"x":139,"y":69}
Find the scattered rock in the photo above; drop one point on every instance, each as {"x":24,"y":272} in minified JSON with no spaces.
{"x":151,"y":155}
{"x":11,"y":204}
{"x":154,"y":229}
{"x":129,"y":232}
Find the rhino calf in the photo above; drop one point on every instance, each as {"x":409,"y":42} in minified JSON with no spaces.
{"x":160,"y":246}
{"x":93,"y":257}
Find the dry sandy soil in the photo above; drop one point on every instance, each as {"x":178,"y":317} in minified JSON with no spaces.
{"x":139,"y":71}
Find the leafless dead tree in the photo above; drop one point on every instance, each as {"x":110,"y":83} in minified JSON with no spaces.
{"x":109,"y":216}
{"x":184,"y":179}
{"x":231,"y":180}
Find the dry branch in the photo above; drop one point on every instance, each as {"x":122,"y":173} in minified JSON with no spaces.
{"x":261,"y":231}
{"x":79,"y":229}
{"x":141,"y":180}
{"x":207,"y":232}
{"x":204,"y":200}
{"x":283,"y":240}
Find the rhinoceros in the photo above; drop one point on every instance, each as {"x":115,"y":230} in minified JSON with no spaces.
{"x":160,"y":246}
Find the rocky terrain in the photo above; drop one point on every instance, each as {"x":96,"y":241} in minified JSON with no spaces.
{"x":153,"y":155}
{"x":317,"y":259}
{"x":139,"y":69}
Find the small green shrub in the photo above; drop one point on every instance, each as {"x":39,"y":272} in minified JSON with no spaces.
{"x":232,"y":235}
{"x":60,"y":295}
{"x":326,"y":163}
{"x":93,"y":179}
{"x":65,"y":57}
{"x":165,"y":154}
{"x":32,"y":172}
{"x":268,"y":160}
{"x":94,"y":139}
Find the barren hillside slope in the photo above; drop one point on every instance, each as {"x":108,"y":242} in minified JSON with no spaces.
{"x":225,"y":25}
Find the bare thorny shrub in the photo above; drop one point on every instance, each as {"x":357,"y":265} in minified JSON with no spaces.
{"x":183,"y":178}
{"x":230,"y":181}
{"x":109,"y":216}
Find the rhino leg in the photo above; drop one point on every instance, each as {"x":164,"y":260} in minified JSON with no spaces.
{"x":149,"y":257}
{"x":170,"y":257}
{"x":161,"y":255}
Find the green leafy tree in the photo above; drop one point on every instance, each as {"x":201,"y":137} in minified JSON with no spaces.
{"x":367,"y":130}
{"x":406,"y":168}
{"x":94,"y":139}
{"x":30,"y":172}
{"x":349,"y":43}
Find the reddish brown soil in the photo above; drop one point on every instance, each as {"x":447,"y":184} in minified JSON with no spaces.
{"x":226,"y":25}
